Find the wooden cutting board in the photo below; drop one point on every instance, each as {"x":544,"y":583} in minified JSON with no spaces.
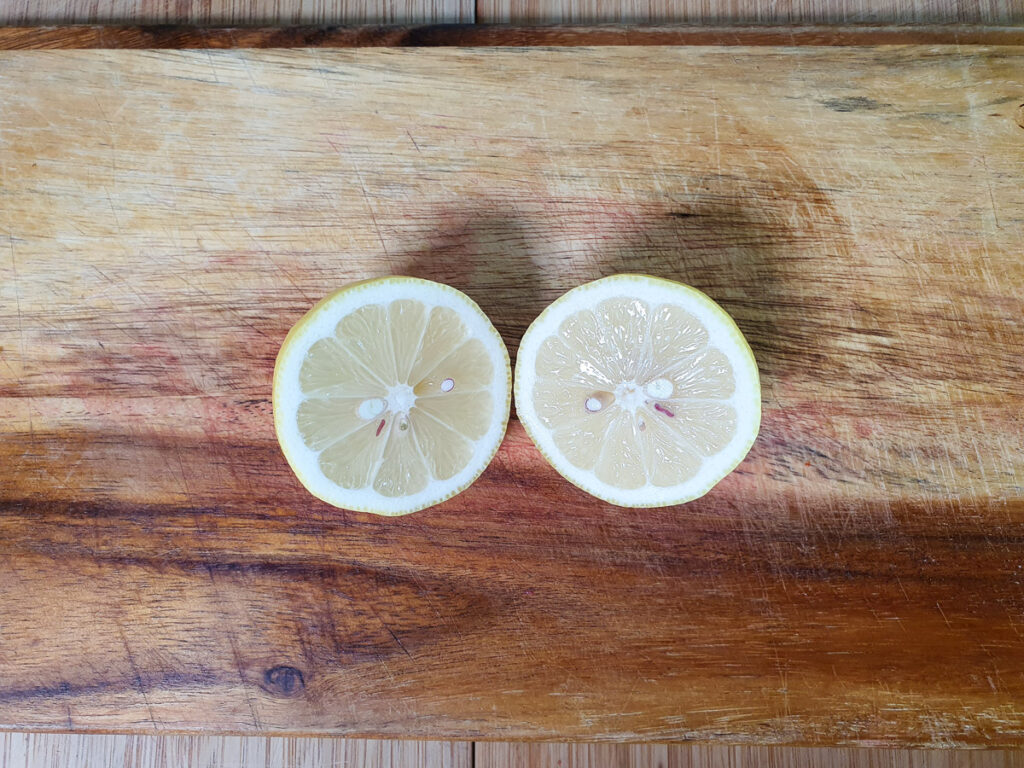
{"x":167,"y":216}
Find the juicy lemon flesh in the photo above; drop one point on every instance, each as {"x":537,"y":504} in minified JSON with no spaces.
{"x":634,"y":393}
{"x":396,"y":397}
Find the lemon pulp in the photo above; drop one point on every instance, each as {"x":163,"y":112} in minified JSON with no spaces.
{"x":639,"y":390}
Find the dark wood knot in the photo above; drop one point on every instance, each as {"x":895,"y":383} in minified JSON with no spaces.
{"x":284,"y":681}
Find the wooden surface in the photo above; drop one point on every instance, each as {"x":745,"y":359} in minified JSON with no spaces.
{"x":509,"y":11}
{"x":50,"y":750}
{"x":274,"y":12}
{"x":80,"y":37}
{"x":169,"y":215}
{"x":39,"y":750}
{"x":498,"y":755}
{"x":749,"y":11}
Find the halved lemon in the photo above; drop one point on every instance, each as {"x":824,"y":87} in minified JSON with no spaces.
{"x":391,"y":395}
{"x":641,"y":391}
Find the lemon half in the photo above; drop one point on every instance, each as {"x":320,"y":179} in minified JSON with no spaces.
{"x":639,"y":390}
{"x":391,"y":395}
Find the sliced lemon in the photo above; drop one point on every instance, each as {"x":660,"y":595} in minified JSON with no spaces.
{"x":641,"y":391}
{"x":391,"y":395}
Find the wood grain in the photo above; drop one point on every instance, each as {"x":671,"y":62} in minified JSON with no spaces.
{"x":749,"y":11}
{"x":245,"y":12}
{"x":278,"y":12}
{"x":499,"y":755}
{"x":169,"y":215}
{"x":51,"y":750}
{"x":79,"y":37}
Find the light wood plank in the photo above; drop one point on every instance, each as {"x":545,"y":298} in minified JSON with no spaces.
{"x":507,"y":755}
{"x":245,"y":12}
{"x":749,"y":11}
{"x":49,"y":750}
{"x":507,"y":11}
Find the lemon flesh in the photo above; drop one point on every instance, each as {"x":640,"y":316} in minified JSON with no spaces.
{"x":639,"y":390}
{"x":391,"y":395}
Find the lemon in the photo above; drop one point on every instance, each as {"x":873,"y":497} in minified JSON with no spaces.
{"x":641,"y":391}
{"x":391,"y":395}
